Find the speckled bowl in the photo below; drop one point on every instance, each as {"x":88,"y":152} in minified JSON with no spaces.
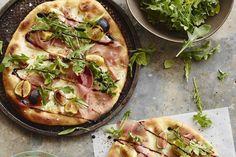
{"x":216,"y":22}
{"x":33,"y":154}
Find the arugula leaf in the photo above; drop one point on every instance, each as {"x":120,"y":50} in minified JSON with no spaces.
{"x":197,"y":33}
{"x":1,"y":46}
{"x":44,"y":93}
{"x":79,"y":53}
{"x":140,"y":57}
{"x":168,"y":63}
{"x":71,"y":130}
{"x":78,"y":66}
{"x":187,"y":68}
{"x":222,"y":75}
{"x":66,"y":89}
{"x":201,"y":119}
{"x":134,"y":138}
{"x":80,"y":102}
{"x":118,"y":132}
{"x":103,"y":79}
{"x":203,"y":52}
{"x":8,"y":60}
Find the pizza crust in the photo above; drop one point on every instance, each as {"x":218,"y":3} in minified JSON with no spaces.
{"x":19,"y":45}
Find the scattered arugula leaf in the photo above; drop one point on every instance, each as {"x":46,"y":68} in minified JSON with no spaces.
{"x":1,"y":46}
{"x":204,"y":52}
{"x":187,"y":68}
{"x":140,"y":56}
{"x":78,"y":66}
{"x":71,"y":130}
{"x":197,"y":33}
{"x":222,"y":75}
{"x":200,"y":118}
{"x":103,"y":79}
{"x":168,"y":63}
{"x":196,"y":53}
{"x":116,"y":133}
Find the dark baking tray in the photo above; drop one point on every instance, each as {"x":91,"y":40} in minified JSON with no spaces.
{"x":10,"y":17}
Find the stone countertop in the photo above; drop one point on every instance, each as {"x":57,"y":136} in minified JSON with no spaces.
{"x":159,"y":92}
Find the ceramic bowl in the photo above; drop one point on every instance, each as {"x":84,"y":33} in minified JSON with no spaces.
{"x":33,"y":154}
{"x":216,"y":21}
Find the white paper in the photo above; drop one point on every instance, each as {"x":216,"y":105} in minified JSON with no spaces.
{"x":220,"y":134}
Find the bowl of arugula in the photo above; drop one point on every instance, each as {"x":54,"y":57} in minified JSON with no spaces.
{"x":181,"y":20}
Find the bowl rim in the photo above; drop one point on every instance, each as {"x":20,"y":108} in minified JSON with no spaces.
{"x":180,"y":40}
{"x":33,"y":151}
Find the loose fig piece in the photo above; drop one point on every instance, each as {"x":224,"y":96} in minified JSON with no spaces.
{"x":23,"y":88}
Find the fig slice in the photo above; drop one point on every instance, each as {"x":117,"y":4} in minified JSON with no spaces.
{"x":71,"y":108}
{"x":23,"y":88}
{"x":95,"y":58}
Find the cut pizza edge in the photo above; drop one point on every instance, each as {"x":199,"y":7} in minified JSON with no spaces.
{"x":160,"y":137}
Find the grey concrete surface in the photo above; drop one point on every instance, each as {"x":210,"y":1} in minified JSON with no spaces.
{"x":159,"y":93}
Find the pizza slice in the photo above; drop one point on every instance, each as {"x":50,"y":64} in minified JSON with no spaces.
{"x":66,"y":64}
{"x":158,"y":137}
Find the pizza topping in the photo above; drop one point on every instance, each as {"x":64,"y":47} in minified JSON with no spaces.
{"x":60,"y":98}
{"x":103,"y":79}
{"x":103,"y":23}
{"x":162,"y":142}
{"x":71,"y":108}
{"x":34,"y":97}
{"x":95,"y":58}
{"x":23,"y":88}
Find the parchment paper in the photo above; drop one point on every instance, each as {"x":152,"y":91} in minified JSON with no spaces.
{"x":220,"y":134}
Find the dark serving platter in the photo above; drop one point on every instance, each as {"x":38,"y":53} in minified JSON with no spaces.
{"x":10,"y":17}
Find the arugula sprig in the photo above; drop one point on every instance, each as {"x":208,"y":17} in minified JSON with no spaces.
{"x":103,"y":79}
{"x":140,"y":56}
{"x":1,"y":46}
{"x":222,"y":75}
{"x":15,"y":59}
{"x":200,"y":118}
{"x":197,"y":33}
{"x":116,"y":133}
{"x":198,"y":53}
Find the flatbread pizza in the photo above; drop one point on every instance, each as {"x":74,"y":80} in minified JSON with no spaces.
{"x":66,"y":64}
{"x":158,"y":137}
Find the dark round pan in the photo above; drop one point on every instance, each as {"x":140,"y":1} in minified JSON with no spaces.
{"x":10,"y":17}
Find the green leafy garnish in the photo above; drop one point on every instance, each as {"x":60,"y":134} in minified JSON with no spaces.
{"x":197,"y":53}
{"x":134,"y":138}
{"x":168,"y":63}
{"x":66,"y":89}
{"x":222,"y":75}
{"x":80,"y":103}
{"x":79,"y":53}
{"x":204,"y":52}
{"x":187,"y":68}
{"x":44,"y":93}
{"x":1,"y":46}
{"x":116,"y":133}
{"x":140,"y":57}
{"x":197,"y":33}
{"x":186,"y":149}
{"x":200,"y":118}
{"x":8,"y":60}
{"x":103,"y":79}
{"x":78,"y":66}
{"x":71,"y":130}
{"x":180,"y":15}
